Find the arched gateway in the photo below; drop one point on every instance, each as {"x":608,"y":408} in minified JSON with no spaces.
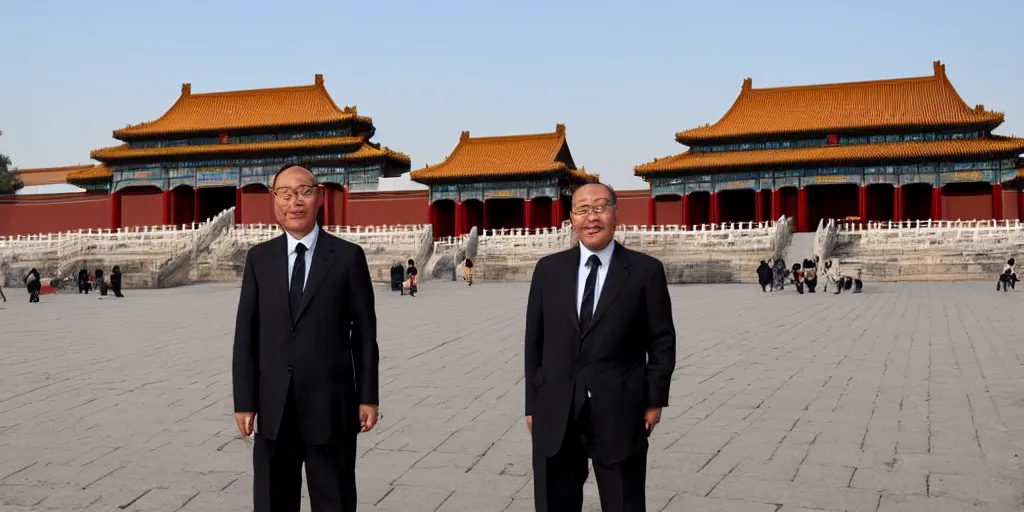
{"x":515,"y":181}
{"x":212,"y":151}
{"x":901,"y":149}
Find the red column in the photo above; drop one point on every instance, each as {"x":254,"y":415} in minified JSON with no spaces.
{"x":430,"y":217}
{"x":344,"y":206}
{"x":897,"y":204}
{"x":165,"y":219}
{"x":801,"y":211}
{"x":713,"y":208}
{"x":650,"y":211}
{"x":195,"y":217}
{"x":775,"y":201}
{"x":115,"y":210}
{"x":862,"y":203}
{"x":327,"y":207}
{"x":528,"y":214}
{"x":459,"y":214}
{"x":936,"y":203}
{"x":238,"y":205}
{"x":758,"y":206}
{"x":1020,"y":205}
{"x":556,"y":212}
{"x":686,"y":210}
{"x":997,"y":201}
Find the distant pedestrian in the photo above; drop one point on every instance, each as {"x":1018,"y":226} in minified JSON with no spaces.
{"x":412,"y":283}
{"x":33,"y":283}
{"x":115,"y":281}
{"x":2,"y":294}
{"x":1009,"y":276}
{"x":764,"y":276}
{"x":101,"y":284}
{"x":467,"y":271}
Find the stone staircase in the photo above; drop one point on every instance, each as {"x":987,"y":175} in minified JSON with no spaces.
{"x":928,"y":250}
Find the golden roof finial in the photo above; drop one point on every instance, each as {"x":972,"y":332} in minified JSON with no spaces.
{"x":560,"y":128}
{"x":748,"y":83}
{"x":464,"y":136}
{"x":186,"y":89}
{"x":318,"y":79}
{"x":939,"y":67}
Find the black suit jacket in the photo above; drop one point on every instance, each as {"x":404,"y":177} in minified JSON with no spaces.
{"x":329,"y":352}
{"x":625,"y":359}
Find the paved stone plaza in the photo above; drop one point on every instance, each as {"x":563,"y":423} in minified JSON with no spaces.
{"x":904,"y":398}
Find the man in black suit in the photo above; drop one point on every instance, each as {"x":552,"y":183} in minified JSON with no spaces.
{"x":600,"y":351}
{"x":305,"y":356}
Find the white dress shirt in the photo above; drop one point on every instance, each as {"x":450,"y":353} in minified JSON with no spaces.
{"x":310,"y":242}
{"x":605,"y":256}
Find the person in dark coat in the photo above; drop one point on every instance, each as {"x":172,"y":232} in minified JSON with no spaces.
{"x":83,"y":281}
{"x":764,"y":275}
{"x":115,"y":281}
{"x":600,"y":351}
{"x":101,"y":285}
{"x":33,"y":283}
{"x":810,"y":275}
{"x":305,"y":360}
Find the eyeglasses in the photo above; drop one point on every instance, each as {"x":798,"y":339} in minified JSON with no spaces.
{"x":582,"y":211}
{"x":287,"y":193}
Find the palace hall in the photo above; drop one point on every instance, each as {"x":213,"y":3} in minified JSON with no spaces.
{"x":898,"y":149}
{"x":212,"y":151}
{"x":513,"y":181}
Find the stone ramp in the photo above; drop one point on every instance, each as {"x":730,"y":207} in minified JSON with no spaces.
{"x":801,"y":248}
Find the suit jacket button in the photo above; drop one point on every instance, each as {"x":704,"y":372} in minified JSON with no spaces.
{"x":289,"y":368}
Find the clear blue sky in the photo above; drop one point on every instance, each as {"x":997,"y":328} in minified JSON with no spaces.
{"x":622,"y":77}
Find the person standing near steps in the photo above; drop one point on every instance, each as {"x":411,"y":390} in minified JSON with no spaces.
{"x":600,"y":352}
{"x":305,"y":363}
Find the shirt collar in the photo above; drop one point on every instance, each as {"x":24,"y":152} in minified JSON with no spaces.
{"x":605,"y":255}
{"x":309,"y":240}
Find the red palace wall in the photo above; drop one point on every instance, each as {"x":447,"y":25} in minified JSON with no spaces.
{"x":400,"y":207}
{"x":668,"y":210}
{"x":967,"y":201}
{"x":633,"y":206}
{"x":142,"y":207}
{"x":50,"y":213}
{"x":257,"y":205}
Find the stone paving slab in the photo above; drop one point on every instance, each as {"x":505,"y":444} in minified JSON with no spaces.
{"x":908,"y":397}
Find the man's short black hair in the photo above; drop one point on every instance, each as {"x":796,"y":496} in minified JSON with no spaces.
{"x":289,"y":166}
{"x":611,"y":191}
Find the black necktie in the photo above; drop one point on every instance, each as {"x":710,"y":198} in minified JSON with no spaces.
{"x":587,"y":308}
{"x":298,"y":278}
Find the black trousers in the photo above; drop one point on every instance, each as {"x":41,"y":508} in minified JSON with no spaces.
{"x":330,"y":469}
{"x":558,"y":481}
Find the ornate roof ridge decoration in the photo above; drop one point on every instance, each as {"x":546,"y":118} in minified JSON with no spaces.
{"x":890,"y":152}
{"x":503,"y":156}
{"x":247,"y":109}
{"x":904,"y":103}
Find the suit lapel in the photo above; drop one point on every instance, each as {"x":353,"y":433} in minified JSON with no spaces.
{"x":618,"y":271}
{"x":570,"y":284}
{"x":279,"y":273}
{"x":323,"y":256}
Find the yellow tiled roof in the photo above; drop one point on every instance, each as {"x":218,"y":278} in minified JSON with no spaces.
{"x":124,"y":151}
{"x":90,"y":173}
{"x":48,"y":175}
{"x":248,"y":109}
{"x":690,"y":162}
{"x":502,"y":157}
{"x":903,"y":103}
